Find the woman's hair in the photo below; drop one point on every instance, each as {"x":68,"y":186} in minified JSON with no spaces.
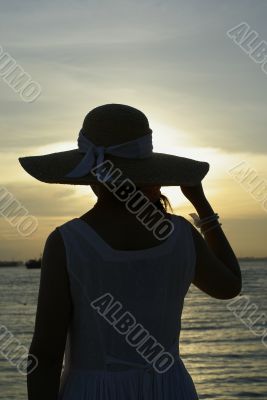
{"x":163,"y":203}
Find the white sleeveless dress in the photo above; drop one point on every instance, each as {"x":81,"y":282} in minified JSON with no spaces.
{"x":108,"y":286}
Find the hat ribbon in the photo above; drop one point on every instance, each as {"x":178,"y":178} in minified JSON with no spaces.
{"x":94,"y":155}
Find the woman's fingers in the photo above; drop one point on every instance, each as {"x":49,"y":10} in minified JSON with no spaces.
{"x":193,"y":193}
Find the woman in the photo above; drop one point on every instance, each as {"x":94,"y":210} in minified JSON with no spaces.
{"x":113,"y":281}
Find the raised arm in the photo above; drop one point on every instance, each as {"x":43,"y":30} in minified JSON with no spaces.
{"x":217,"y":270}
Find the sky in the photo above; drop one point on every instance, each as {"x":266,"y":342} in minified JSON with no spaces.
{"x":204,"y":96}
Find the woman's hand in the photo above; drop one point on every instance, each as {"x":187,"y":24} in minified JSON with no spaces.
{"x":195,"y":194}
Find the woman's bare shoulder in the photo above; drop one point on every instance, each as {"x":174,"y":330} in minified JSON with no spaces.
{"x":54,"y":246}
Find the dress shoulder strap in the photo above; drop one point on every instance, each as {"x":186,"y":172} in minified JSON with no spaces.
{"x":77,"y":232}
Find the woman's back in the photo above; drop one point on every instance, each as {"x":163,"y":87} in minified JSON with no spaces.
{"x":120,"y":296}
{"x":97,"y":262}
{"x":121,"y":229}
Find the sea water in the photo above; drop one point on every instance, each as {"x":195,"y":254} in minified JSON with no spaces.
{"x":222,"y":344}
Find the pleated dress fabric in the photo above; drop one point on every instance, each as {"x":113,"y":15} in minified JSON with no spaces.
{"x":107,"y":285}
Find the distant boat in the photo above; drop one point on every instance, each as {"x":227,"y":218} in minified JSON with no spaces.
{"x":34,"y":263}
{"x":10,"y":263}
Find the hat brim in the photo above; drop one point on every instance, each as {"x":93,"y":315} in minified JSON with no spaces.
{"x":159,"y":169}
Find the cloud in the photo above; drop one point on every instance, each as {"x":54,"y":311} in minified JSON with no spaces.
{"x":42,"y":200}
{"x":172,"y":59}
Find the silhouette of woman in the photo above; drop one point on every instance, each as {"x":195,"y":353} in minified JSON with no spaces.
{"x":111,"y":290}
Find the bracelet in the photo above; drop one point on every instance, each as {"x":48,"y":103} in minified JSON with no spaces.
{"x":217,"y":225}
{"x":198,"y":222}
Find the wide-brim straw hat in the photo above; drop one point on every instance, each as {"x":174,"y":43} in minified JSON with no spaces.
{"x":112,"y":125}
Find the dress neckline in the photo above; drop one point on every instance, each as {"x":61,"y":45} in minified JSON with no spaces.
{"x":149,"y":250}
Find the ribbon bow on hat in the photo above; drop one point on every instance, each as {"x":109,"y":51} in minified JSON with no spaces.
{"x":94,"y":155}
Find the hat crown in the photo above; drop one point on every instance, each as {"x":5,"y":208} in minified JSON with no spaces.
{"x":112,"y":124}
